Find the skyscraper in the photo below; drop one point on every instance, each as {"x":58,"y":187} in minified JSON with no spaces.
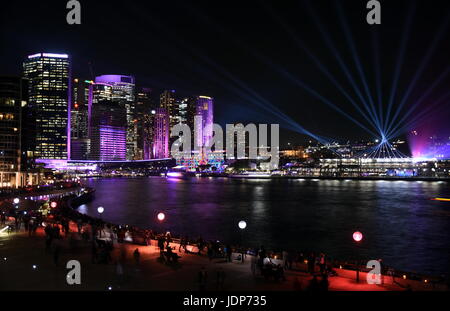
{"x":49,"y":99}
{"x":123,"y":92}
{"x":13,"y":96}
{"x":161,"y":134}
{"x":204,"y":110}
{"x":169,"y":101}
{"x":145,"y":112}
{"x":108,"y":131}
{"x":82,"y":94}
{"x":80,"y":111}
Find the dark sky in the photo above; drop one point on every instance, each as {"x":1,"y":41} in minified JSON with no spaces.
{"x":237,"y":51}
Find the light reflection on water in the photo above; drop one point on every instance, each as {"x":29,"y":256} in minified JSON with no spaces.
{"x":399,"y":221}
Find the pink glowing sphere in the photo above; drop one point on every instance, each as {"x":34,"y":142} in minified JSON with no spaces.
{"x":357,"y":236}
{"x":161,"y":216}
{"x":53,"y":204}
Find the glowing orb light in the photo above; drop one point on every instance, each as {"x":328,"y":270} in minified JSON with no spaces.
{"x":242,"y":224}
{"x":53,"y":204}
{"x":357,"y":236}
{"x":161,"y":216}
{"x":100,"y":209}
{"x":16,"y":201}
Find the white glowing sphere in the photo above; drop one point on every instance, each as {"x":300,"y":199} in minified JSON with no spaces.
{"x":100,"y":209}
{"x":161,"y":216}
{"x":357,"y":236}
{"x":16,"y":201}
{"x":242,"y":224}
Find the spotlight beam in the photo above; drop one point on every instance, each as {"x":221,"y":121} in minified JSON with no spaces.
{"x":400,"y":58}
{"x":423,"y":114}
{"x":261,"y":102}
{"x":421,"y":68}
{"x":329,"y":43}
{"x":321,"y":67}
{"x":377,"y":67}
{"x":357,"y":61}
{"x":421,"y":99}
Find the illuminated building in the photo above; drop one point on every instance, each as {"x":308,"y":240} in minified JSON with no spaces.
{"x":81,"y":102}
{"x":161,"y":134}
{"x":170,"y":103}
{"x":145,"y":111}
{"x":108,"y":131}
{"x":81,"y":106}
{"x":49,"y":99}
{"x":123,"y":92}
{"x":204,"y":131}
{"x":13,"y":96}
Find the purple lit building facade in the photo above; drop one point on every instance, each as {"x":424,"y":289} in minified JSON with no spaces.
{"x":123,"y":92}
{"x":204,"y":128}
{"x":161,"y":134}
{"x":108,"y":127}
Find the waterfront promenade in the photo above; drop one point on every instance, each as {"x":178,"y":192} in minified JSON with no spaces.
{"x":25,"y":265}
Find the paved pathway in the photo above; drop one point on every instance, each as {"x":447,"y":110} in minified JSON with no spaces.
{"x":19,"y":253}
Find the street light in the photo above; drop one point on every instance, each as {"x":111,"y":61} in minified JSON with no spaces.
{"x":100,"y":210}
{"x":16,"y":201}
{"x":53,"y":204}
{"x":357,"y":237}
{"x":242,"y":225}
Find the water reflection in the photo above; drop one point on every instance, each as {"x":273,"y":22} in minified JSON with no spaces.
{"x":399,"y":221}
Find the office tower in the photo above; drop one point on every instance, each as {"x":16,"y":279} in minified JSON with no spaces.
{"x":148,"y":135}
{"x":161,"y":134}
{"x":80,"y":111}
{"x":123,"y":92}
{"x":204,"y":109}
{"x":49,"y":99}
{"x":108,"y":131}
{"x":13,"y":96}
{"x":169,"y":101}
{"x":145,"y":105}
{"x":187,"y":110}
{"x":82,"y":95}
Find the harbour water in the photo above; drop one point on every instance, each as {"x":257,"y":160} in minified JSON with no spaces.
{"x":399,"y":221}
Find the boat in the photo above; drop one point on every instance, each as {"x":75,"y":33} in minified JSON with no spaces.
{"x":251,"y":175}
{"x":179,"y":172}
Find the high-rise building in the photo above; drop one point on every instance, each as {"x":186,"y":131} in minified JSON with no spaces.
{"x":204,"y":109}
{"x":108,"y":131}
{"x":49,"y":100}
{"x":13,"y":96}
{"x":161,"y":134}
{"x":82,"y":95}
{"x":169,"y":101}
{"x":80,"y":111}
{"x":145,"y":105}
{"x":123,"y":92}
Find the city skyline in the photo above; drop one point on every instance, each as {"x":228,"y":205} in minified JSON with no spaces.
{"x":263,"y":81}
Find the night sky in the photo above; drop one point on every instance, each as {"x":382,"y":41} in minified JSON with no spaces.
{"x":236,"y":52}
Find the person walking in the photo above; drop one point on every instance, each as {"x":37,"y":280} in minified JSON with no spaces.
{"x":137,"y":257}
{"x":229,"y":252}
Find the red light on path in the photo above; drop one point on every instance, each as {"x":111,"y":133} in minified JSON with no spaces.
{"x":357,"y":236}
